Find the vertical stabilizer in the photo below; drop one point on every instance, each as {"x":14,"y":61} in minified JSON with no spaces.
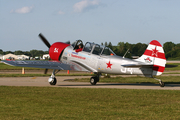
{"x":154,"y":54}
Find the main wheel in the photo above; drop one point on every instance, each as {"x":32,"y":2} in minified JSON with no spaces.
{"x":53,"y":82}
{"x":162,"y":84}
{"x":93,"y":80}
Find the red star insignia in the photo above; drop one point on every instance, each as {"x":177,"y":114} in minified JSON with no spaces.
{"x":109,"y":65}
{"x":154,"y":52}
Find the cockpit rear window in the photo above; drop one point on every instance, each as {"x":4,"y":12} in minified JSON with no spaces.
{"x":87,"y":47}
{"x":108,"y":51}
{"x":97,"y":50}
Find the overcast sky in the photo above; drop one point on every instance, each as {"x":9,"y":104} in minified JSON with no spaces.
{"x":96,"y":21}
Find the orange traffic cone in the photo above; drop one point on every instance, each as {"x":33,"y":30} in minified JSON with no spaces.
{"x":68,"y":72}
{"x":23,"y":71}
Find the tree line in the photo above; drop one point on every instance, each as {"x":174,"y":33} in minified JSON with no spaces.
{"x":31,"y":53}
{"x":172,"y":50}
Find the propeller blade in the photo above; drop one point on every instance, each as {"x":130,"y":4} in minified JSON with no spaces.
{"x":45,"y":71}
{"x":68,"y":42}
{"x":44,"y":40}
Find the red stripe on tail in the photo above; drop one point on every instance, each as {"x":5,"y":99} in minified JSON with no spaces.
{"x":155,"y":42}
{"x":158,"y":68}
{"x":157,"y":54}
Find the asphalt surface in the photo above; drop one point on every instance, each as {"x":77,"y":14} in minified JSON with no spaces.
{"x":66,"y":81}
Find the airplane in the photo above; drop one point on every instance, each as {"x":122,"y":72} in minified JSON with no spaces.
{"x":92,"y":57}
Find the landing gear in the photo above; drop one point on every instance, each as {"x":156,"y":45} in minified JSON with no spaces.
{"x":95,"y":79}
{"x":52,"y":80}
{"x":160,"y":82}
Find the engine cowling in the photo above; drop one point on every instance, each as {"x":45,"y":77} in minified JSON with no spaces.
{"x":56,"y":50}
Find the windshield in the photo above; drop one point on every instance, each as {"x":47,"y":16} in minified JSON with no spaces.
{"x":87,"y":47}
{"x":108,"y":51}
{"x":77,"y":43}
{"x":97,"y":49}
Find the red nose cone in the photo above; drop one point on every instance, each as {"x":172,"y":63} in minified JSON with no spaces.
{"x":56,"y":49}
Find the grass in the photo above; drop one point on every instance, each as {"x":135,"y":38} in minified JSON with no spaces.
{"x":172,"y":73}
{"x":91,"y":104}
{"x":84,"y":103}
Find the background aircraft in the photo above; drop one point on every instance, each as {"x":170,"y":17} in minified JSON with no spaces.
{"x":99,"y":59}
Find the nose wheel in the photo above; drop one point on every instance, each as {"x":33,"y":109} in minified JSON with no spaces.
{"x":52,"y":80}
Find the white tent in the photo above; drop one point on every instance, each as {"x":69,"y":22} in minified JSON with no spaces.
{"x":46,"y":56}
{"x":10,"y":56}
{"x":23,"y":57}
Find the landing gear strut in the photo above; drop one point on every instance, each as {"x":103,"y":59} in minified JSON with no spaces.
{"x":160,"y":82}
{"x":95,"y":79}
{"x":52,"y":80}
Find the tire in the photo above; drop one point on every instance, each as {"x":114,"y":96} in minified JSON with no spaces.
{"x":53,"y":82}
{"x":162,"y":84}
{"x":93,"y":80}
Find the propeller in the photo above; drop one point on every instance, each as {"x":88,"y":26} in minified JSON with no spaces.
{"x":44,"y":40}
{"x":45,"y":71}
{"x":47,"y":44}
{"x":68,"y":42}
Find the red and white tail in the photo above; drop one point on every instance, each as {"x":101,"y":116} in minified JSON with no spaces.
{"x":154,"y":54}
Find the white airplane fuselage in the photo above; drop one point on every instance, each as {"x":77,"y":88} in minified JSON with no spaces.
{"x":111,"y":64}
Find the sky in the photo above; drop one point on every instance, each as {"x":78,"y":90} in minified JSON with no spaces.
{"x":98,"y":21}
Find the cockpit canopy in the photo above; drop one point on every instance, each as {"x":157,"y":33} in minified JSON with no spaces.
{"x":93,"y":48}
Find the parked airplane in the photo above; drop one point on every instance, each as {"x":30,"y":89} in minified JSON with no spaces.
{"x":99,"y":59}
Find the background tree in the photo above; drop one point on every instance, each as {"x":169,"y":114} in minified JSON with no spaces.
{"x":110,"y":45}
{"x":7,"y":52}
{"x":19,"y":52}
{"x":120,"y":48}
{"x":1,"y":52}
{"x":138,"y":49}
{"x":105,"y":44}
{"x":168,"y":46}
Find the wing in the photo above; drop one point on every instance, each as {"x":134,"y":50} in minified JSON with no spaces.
{"x":40,"y":64}
{"x":138,"y":65}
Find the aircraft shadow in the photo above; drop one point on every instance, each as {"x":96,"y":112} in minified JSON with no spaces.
{"x":167,"y":84}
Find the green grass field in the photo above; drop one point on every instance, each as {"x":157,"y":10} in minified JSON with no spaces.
{"x":88,"y":104}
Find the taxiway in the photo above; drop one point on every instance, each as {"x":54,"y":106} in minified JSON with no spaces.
{"x":67,"y":81}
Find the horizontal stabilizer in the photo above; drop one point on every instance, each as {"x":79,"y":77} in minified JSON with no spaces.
{"x":137,"y":65}
{"x":170,"y":66}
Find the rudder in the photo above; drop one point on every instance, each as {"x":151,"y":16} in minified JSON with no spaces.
{"x":154,"y":54}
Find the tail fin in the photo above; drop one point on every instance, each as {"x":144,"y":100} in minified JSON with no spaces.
{"x":154,"y":54}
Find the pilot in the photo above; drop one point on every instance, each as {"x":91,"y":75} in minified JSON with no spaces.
{"x":80,"y":48}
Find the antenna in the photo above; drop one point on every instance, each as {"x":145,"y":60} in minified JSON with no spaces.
{"x":126,"y":53}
